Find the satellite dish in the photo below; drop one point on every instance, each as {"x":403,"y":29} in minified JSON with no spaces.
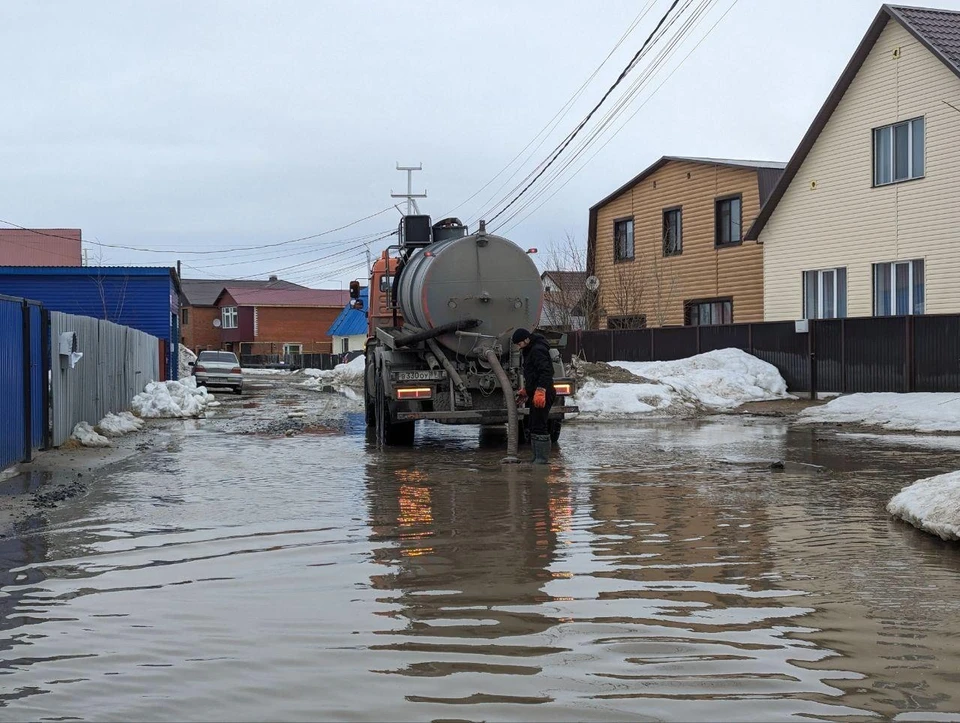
{"x":216,"y":323}
{"x":592,"y":283}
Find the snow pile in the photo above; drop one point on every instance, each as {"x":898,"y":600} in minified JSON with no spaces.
{"x":341,"y":376}
{"x":173,"y":399}
{"x":931,"y":504}
{"x":266,"y":372}
{"x":721,"y":379}
{"x":88,"y":437}
{"x":919,"y":412}
{"x":116,"y":425}
{"x":185,"y":356}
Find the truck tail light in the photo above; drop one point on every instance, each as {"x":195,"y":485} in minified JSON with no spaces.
{"x":199,"y":368}
{"x":563,"y":389}
{"x":236,"y":370}
{"x":414,"y":393}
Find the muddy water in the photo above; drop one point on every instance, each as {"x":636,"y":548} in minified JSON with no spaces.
{"x":660,"y":571}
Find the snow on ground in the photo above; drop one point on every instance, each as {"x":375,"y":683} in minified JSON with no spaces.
{"x":918,"y":412}
{"x":341,"y":377}
{"x":925,"y":441}
{"x":88,"y":437}
{"x":173,"y":399}
{"x":186,"y":356}
{"x":721,"y":379}
{"x":931,"y":504}
{"x":116,"y":425}
{"x":266,"y":372}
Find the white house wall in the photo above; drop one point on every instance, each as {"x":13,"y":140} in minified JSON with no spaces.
{"x":844,"y":221}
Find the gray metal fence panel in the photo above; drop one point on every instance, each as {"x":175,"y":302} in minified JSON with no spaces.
{"x":117,"y":364}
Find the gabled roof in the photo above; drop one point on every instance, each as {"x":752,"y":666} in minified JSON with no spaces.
{"x":351,"y":322}
{"x":204,"y":292}
{"x":566,"y":279}
{"x":287,"y":297}
{"x":936,"y":30}
{"x":653,"y":168}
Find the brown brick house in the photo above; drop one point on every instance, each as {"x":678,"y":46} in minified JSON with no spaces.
{"x":668,"y":245}
{"x":199,"y":310}
{"x":278,"y":321}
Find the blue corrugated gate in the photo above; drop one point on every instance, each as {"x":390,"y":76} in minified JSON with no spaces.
{"x":23,"y":388}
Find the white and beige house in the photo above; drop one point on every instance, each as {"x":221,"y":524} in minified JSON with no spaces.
{"x":865,"y":220}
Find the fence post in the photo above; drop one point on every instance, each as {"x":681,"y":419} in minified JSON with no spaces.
{"x":27,"y":385}
{"x":908,"y":360}
{"x":812,"y":351}
{"x":47,"y":362}
{"x":750,"y":339}
{"x":652,"y":346}
{"x":843,"y":356}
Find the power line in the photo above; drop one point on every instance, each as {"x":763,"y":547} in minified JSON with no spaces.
{"x":217,"y":251}
{"x":576,"y":131}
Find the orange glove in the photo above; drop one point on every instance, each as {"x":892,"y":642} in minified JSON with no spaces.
{"x":540,"y":398}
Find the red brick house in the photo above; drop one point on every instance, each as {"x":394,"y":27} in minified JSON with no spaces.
{"x":199,"y":313}
{"x":278,"y":321}
{"x":40,"y":247}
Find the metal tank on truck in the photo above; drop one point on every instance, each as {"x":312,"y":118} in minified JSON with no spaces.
{"x":443,"y":304}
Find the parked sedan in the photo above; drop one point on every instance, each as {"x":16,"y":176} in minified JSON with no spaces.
{"x":218,"y":368}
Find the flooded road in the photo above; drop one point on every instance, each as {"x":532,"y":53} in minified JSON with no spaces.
{"x":658,"y":570}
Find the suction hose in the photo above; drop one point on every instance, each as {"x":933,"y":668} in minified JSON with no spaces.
{"x":491,"y":356}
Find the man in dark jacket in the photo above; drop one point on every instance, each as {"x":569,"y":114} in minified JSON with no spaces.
{"x":537,"y":392}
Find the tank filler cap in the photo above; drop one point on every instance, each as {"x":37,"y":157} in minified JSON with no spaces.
{"x":482,"y":234}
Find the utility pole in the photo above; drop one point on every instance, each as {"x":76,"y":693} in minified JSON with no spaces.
{"x":410,"y":195}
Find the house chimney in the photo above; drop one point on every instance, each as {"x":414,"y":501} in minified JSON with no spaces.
{"x":273,"y":278}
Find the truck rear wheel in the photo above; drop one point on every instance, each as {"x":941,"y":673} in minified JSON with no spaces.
{"x":369,"y":400}
{"x":389,"y":433}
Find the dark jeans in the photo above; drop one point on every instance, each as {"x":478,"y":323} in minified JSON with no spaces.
{"x":539,"y":417}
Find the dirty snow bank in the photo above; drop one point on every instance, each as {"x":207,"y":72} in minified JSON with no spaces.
{"x":88,"y":437}
{"x":185,"y":356}
{"x":116,"y":425}
{"x":721,"y":379}
{"x":919,"y":412}
{"x":340,"y":377}
{"x":931,"y":504}
{"x":266,"y":372}
{"x":173,"y":399}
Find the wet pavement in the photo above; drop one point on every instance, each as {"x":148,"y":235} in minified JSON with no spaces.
{"x":270,"y":564}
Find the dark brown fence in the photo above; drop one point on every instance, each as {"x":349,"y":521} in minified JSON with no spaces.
{"x":291,"y":361}
{"x":871,"y":354}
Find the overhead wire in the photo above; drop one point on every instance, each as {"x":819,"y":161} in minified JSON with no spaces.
{"x":563,"y":146}
{"x":553,"y":122}
{"x":628,"y":119}
{"x":628,"y":97}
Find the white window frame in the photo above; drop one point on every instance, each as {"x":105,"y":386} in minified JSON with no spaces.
{"x":818,"y":312}
{"x":229,"y":318}
{"x":893,"y":151}
{"x":893,"y":286}
{"x":287,"y":347}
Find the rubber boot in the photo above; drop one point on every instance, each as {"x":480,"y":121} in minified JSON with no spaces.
{"x":541,"y":448}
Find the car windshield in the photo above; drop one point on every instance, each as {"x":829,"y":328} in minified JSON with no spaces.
{"x":224,"y":357}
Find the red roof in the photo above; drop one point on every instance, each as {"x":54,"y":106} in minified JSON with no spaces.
{"x":40,"y":247}
{"x":288,"y":297}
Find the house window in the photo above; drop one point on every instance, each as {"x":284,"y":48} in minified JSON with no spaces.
{"x":636,"y":321}
{"x":898,"y":288}
{"x":728,"y":221}
{"x":898,"y":152}
{"x":672,"y":232}
{"x":293,"y":348}
{"x":825,"y":294}
{"x":344,"y":345}
{"x":623,"y":240}
{"x":184,"y":316}
{"x":228,"y":317}
{"x":708,"y":312}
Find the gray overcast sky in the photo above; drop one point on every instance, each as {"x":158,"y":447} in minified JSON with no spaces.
{"x":216,"y":125}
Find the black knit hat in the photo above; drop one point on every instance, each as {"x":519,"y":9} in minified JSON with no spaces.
{"x":519,"y":335}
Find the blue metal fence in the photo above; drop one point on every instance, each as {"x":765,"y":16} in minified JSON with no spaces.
{"x":23,"y":380}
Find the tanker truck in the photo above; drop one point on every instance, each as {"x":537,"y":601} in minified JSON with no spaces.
{"x":442,"y":306}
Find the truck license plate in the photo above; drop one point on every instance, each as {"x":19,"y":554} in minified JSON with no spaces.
{"x":419,"y":376}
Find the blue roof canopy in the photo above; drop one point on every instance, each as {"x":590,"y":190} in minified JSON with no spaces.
{"x":351,"y":322}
